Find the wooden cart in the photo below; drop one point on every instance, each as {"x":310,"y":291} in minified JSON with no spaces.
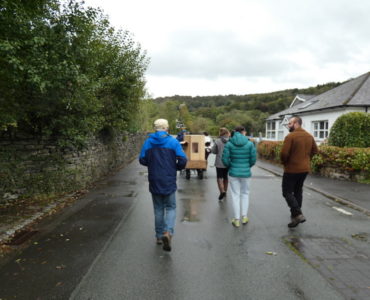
{"x":194,"y":147}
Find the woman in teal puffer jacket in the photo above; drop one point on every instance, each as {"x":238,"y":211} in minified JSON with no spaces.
{"x":239,"y":156}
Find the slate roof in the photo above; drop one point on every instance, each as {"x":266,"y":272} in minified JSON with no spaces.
{"x":288,"y":111}
{"x":354,"y":92}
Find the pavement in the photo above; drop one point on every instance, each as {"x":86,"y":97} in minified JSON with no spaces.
{"x":352,"y":194}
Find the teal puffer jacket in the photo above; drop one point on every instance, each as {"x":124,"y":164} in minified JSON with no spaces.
{"x":239,"y":156}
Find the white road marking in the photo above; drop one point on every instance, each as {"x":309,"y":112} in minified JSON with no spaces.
{"x":341,"y":210}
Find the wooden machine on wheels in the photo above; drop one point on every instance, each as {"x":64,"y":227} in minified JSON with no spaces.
{"x":194,"y":147}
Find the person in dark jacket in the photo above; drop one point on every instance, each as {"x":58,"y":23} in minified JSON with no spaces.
{"x":239,"y":156}
{"x":298,"y":148}
{"x":163,"y":155}
{"x":221,"y":170}
{"x":180,"y":135}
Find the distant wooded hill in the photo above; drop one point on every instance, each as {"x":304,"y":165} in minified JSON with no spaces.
{"x":268,"y":102}
{"x":209,"y":113}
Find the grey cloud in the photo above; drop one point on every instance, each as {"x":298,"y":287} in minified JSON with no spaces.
{"x":215,"y":54}
{"x":332,"y":32}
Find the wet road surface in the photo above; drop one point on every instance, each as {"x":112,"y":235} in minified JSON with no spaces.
{"x":104,"y":247}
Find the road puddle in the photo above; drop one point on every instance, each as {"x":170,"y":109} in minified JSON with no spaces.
{"x":190,"y":210}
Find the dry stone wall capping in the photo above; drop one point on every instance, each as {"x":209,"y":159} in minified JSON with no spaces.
{"x":31,"y":167}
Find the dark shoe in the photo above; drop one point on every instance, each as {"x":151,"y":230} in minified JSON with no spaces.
{"x":159,"y":241}
{"x":302,"y":219}
{"x":296,"y":220}
{"x":222,"y":195}
{"x":166,"y":239}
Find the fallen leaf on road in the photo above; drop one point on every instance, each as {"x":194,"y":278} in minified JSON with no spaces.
{"x":5,"y":249}
{"x":270,"y":253}
{"x":362,"y":236}
{"x":59,"y":283}
{"x":60,"y":267}
{"x":44,"y":262}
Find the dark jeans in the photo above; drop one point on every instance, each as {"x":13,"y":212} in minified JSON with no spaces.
{"x":292,"y":191}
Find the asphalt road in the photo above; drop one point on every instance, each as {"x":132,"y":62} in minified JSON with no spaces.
{"x":104,"y":247}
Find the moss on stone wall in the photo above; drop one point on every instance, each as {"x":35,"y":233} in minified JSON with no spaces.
{"x":38,"y":168}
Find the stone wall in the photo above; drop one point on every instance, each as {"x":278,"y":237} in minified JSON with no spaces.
{"x":340,"y":174}
{"x":38,"y":168}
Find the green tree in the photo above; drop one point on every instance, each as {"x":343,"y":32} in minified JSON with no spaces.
{"x":148,"y":113}
{"x":201,"y":125}
{"x":171,"y":113}
{"x":185,"y":116}
{"x":65,"y":72}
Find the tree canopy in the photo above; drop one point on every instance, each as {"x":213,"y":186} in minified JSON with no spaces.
{"x":65,"y":72}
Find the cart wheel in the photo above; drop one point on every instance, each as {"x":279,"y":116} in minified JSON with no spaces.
{"x":200,"y":174}
{"x":187,"y":176}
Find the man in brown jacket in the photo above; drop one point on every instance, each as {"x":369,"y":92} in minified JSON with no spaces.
{"x":298,"y":148}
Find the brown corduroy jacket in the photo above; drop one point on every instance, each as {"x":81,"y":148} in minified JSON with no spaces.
{"x":298,"y":148}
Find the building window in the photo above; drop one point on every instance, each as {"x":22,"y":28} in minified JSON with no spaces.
{"x":270,"y":131}
{"x":320,"y":129}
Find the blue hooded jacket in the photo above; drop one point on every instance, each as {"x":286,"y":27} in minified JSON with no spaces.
{"x":163,"y":155}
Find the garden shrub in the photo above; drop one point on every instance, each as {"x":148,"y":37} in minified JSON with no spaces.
{"x":351,"y":130}
{"x":355,"y":160}
{"x":347,"y":159}
{"x":270,"y":150}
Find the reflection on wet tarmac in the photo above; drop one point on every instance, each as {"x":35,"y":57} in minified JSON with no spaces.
{"x":191,"y":207}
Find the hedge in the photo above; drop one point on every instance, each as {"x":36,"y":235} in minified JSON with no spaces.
{"x":346,"y":160}
{"x":351,"y":130}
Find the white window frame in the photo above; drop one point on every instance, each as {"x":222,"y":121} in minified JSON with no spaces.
{"x":271,"y":130}
{"x":320,"y":129}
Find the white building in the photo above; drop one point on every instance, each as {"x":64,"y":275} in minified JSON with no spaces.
{"x":319,"y":112}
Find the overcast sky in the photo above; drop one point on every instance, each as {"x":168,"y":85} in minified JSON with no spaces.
{"x":212,"y":47}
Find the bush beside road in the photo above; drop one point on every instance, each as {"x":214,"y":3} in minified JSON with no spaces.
{"x":342,"y":163}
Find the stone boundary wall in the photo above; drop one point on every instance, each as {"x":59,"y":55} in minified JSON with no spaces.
{"x":335,"y":173}
{"x":38,"y":168}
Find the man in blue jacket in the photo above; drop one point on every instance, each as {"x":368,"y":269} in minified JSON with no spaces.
{"x":163,"y":155}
